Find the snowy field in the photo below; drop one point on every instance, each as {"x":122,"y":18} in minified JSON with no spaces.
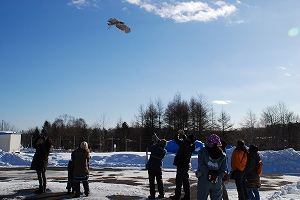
{"x":121,"y":175}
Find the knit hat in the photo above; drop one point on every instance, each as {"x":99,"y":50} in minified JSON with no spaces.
{"x":214,"y":139}
{"x":84,"y":145}
{"x":162,"y":143}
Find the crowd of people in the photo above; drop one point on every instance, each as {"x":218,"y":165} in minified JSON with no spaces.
{"x":212,"y":171}
{"x":78,"y":166}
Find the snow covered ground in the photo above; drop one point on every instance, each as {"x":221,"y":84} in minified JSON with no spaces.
{"x":121,"y":175}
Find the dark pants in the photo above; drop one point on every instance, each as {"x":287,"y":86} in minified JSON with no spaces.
{"x":224,"y":190}
{"x":42,"y":179}
{"x":182,"y":179}
{"x":85,"y":187}
{"x":158,"y":175}
{"x":240,"y":185}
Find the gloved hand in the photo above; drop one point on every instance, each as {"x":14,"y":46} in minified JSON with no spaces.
{"x":212,"y":176}
{"x":215,"y":180}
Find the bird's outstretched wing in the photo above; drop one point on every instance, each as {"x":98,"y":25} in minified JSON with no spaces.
{"x":113,"y":21}
{"x":120,"y":25}
{"x":123,"y":27}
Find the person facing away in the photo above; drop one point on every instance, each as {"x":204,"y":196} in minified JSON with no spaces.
{"x":183,"y":162}
{"x":238,"y":164}
{"x":81,"y":169}
{"x":212,"y":166}
{"x":70,"y":183}
{"x":158,"y":152}
{"x":224,"y":193}
{"x":39,"y":162}
{"x":252,"y":178}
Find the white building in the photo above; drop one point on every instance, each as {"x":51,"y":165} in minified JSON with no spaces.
{"x":10,"y":141}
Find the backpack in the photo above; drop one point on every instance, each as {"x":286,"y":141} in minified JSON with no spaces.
{"x":259,"y":166}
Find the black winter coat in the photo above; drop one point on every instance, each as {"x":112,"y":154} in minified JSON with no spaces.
{"x":252,"y":178}
{"x":40,"y":158}
{"x":157,"y":155}
{"x":183,"y":156}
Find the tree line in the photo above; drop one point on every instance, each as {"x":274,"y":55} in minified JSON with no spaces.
{"x":277,"y":128}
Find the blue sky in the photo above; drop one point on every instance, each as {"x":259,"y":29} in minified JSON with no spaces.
{"x":58,"y":57}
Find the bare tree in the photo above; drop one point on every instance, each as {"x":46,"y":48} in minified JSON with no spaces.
{"x":212,"y":120}
{"x":103,"y":121}
{"x":224,"y":120}
{"x":198,"y":115}
{"x":249,"y":127}
{"x":160,"y":112}
{"x":101,"y":131}
{"x":177,"y":113}
{"x":141,"y":117}
{"x":276,"y":120}
{"x":151,"y":116}
{"x":6,"y":126}
{"x":250,"y":120}
{"x":278,"y":114}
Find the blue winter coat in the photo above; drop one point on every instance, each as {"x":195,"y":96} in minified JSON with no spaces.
{"x":210,"y":159}
{"x":206,"y":163}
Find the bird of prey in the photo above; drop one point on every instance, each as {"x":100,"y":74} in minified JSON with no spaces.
{"x":120,"y":25}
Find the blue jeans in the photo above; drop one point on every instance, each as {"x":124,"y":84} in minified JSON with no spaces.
{"x":253,"y":193}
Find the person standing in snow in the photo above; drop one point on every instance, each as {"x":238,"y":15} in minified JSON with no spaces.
{"x":81,"y":169}
{"x":39,"y":162}
{"x":212,"y":166}
{"x":154,"y":165}
{"x":238,"y":164}
{"x":70,"y":183}
{"x":225,"y":194}
{"x":183,"y":162}
{"x":252,"y":178}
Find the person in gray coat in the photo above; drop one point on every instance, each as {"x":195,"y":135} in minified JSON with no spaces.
{"x":212,"y":166}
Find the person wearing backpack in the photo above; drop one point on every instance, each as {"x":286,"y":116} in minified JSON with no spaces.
{"x":238,"y":164}
{"x":252,"y":177}
{"x":212,"y":166}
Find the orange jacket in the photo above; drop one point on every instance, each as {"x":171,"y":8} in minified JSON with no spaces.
{"x":238,"y":160}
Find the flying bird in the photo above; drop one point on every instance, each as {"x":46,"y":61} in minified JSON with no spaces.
{"x":120,"y":25}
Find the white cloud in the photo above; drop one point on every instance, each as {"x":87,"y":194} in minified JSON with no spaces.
{"x":221,"y":102}
{"x":281,"y":67}
{"x":286,"y":74}
{"x":187,"y":11}
{"x":84,"y":3}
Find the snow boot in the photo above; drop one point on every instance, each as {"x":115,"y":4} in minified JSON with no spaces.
{"x":40,"y":190}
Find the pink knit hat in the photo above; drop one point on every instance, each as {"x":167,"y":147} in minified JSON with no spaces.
{"x":214,"y":139}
